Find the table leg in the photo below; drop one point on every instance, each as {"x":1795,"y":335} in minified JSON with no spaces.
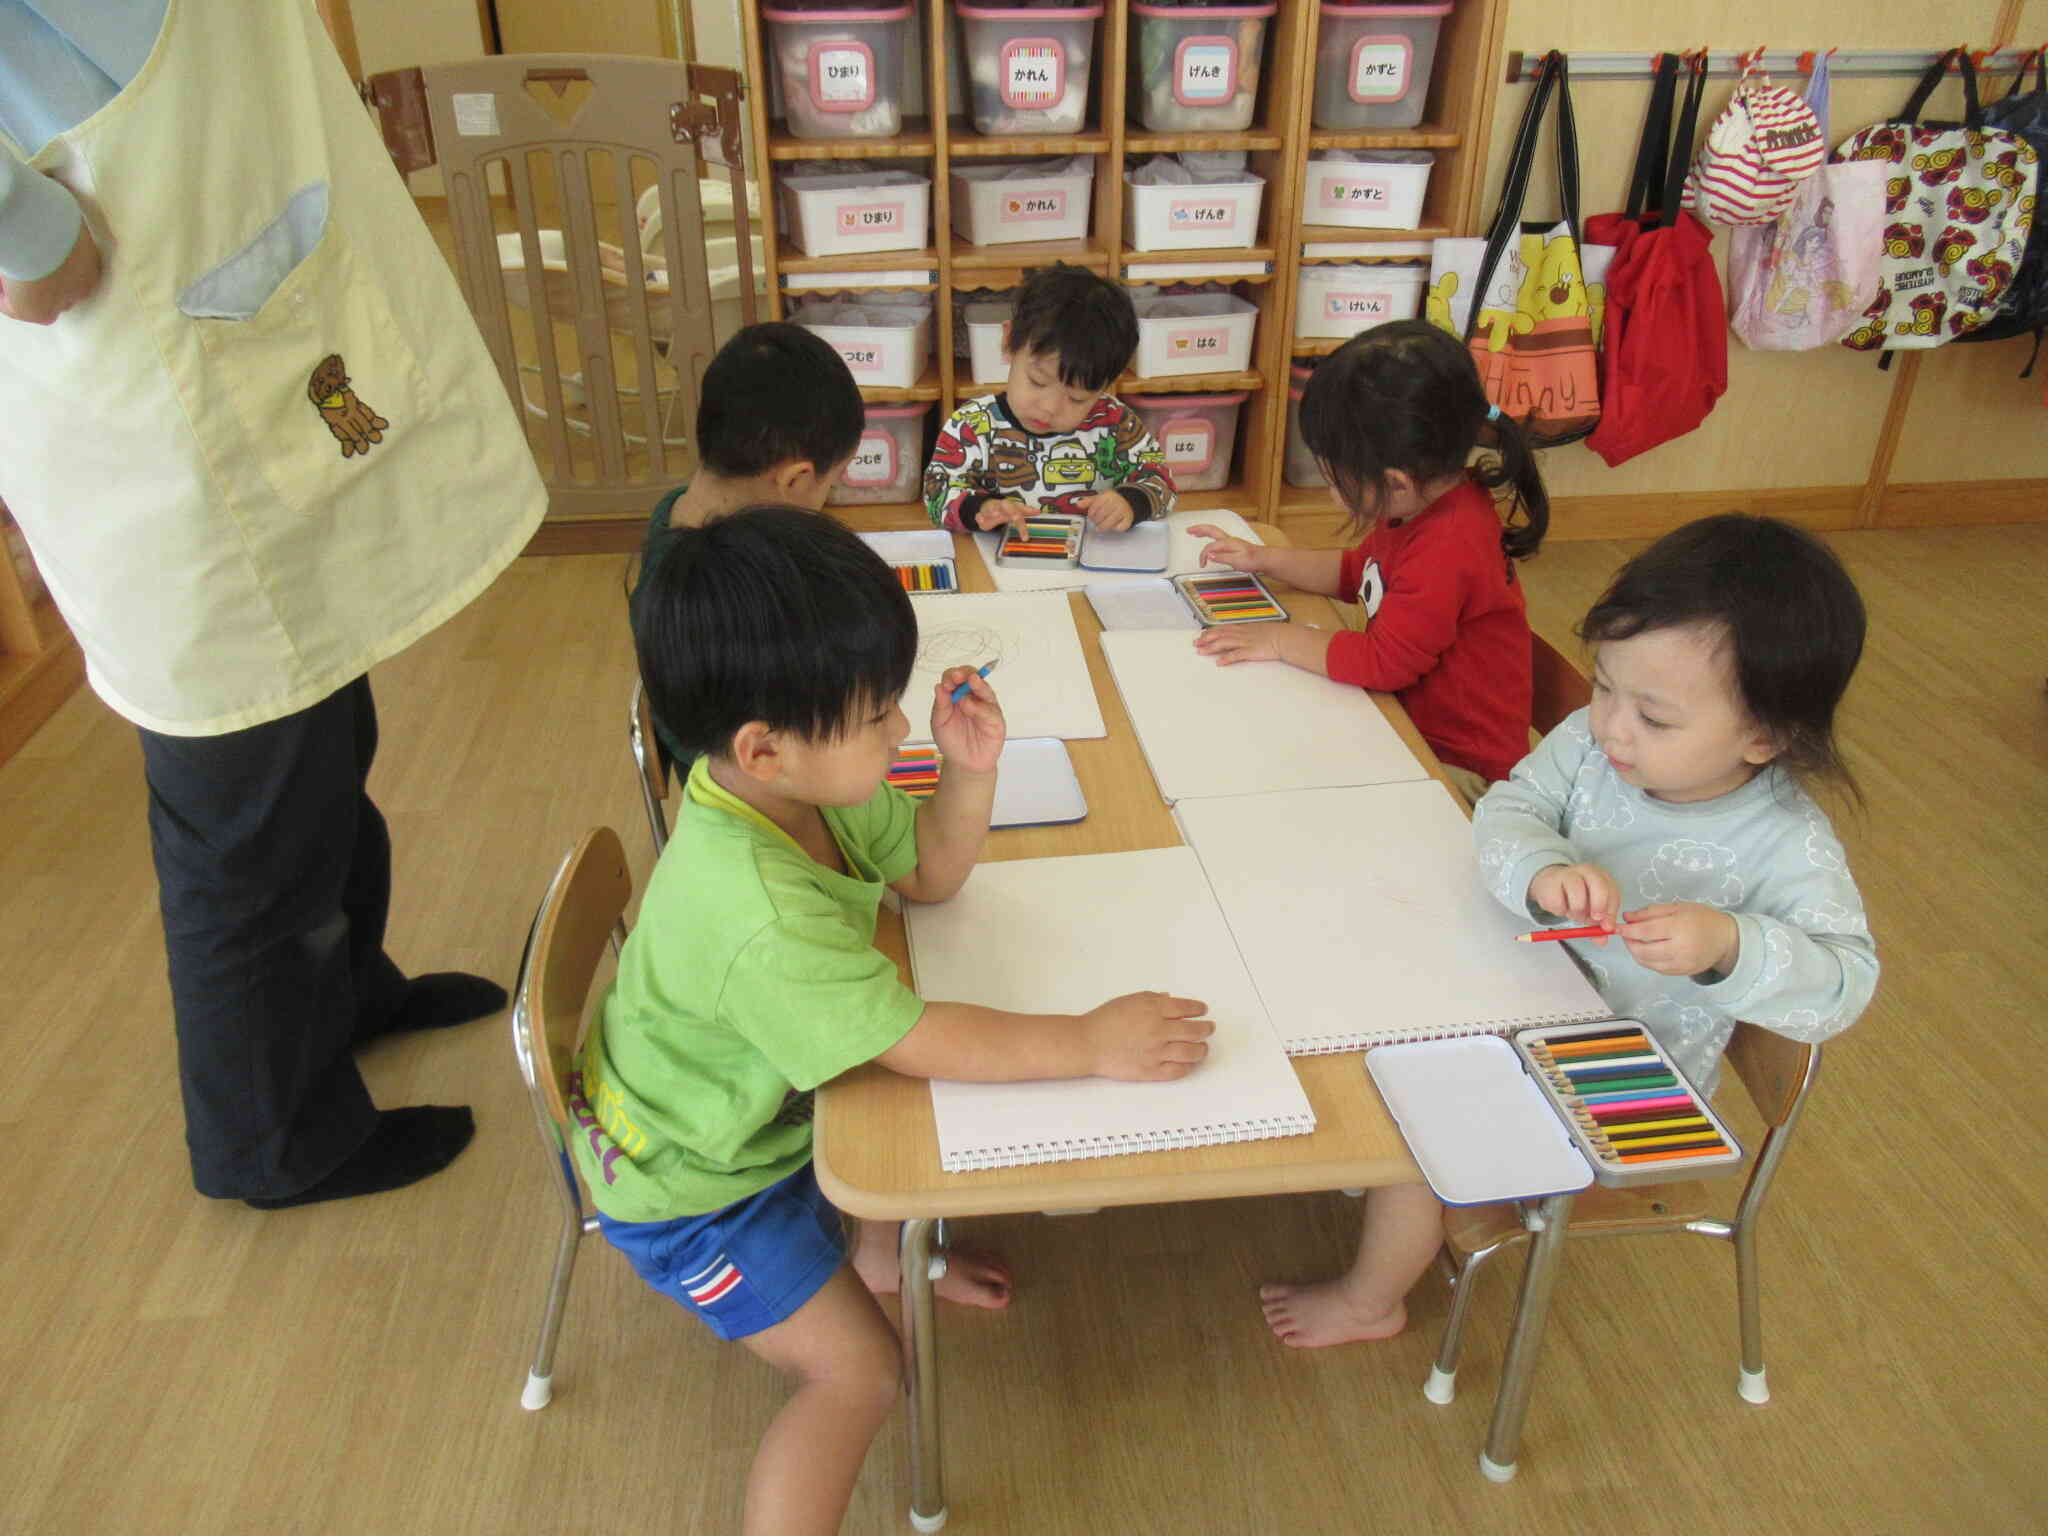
{"x":920,"y":1242}
{"x":1532,"y":1308}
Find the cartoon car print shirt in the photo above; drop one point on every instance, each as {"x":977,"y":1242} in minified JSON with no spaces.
{"x":983,"y":454}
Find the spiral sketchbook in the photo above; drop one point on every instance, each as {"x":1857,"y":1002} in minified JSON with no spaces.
{"x":1361,"y":915}
{"x":1063,"y":935}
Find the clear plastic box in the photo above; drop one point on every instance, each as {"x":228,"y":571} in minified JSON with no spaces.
{"x":1300,"y":468}
{"x":841,"y":71}
{"x":886,"y":465}
{"x":1373,"y":64}
{"x":1027,"y":69}
{"x":1197,"y":433}
{"x":1195,"y":69}
{"x":1346,"y":297}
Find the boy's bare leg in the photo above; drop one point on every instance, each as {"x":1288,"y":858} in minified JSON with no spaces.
{"x":848,"y":1365}
{"x":1403,"y":1230}
{"x":973,"y":1278}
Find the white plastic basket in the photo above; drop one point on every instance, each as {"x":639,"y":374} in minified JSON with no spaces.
{"x":1367,"y":188}
{"x":841,"y":71}
{"x":884,"y":345}
{"x":1218,"y":209}
{"x":1300,"y":468}
{"x":988,"y":327}
{"x":1344,"y":298}
{"x":1187,"y":333}
{"x":850,"y":213}
{"x":1005,"y":202}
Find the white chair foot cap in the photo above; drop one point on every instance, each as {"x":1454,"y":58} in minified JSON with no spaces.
{"x":1495,"y":1472}
{"x":935,"y":1269}
{"x":1752,"y":1386}
{"x":1442,"y":1386}
{"x":539,"y":1390}
{"x":928,"y":1523}
{"x":1355,"y":1194}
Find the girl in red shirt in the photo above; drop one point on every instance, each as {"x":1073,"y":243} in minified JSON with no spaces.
{"x":1394,"y":417}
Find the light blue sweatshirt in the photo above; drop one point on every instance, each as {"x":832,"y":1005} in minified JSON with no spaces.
{"x":60,"y":62}
{"x":1765,"y":852}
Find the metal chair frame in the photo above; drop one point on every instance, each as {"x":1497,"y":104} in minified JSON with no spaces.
{"x":650,"y":758}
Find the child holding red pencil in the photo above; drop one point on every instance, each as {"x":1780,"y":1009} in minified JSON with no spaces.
{"x":1394,"y":416}
{"x":1672,"y":817}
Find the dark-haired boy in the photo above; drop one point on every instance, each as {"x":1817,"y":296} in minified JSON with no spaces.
{"x":752,"y":977}
{"x":778,"y":420}
{"x":1055,"y":439}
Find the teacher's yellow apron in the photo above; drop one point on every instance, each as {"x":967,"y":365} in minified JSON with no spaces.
{"x":271,"y":450}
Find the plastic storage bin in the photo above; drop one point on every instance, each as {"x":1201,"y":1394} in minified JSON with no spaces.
{"x":841,"y":71}
{"x":1216,"y":208}
{"x":1027,"y":69}
{"x":1367,"y":188}
{"x":1184,"y":333}
{"x":849,"y":213}
{"x":1197,"y":433}
{"x":886,"y":345}
{"x":1300,"y":468}
{"x":1345,"y":298}
{"x":1373,"y":64}
{"x":886,"y":465}
{"x":1195,"y":69}
{"x":988,"y":328}
{"x":1002,"y":203}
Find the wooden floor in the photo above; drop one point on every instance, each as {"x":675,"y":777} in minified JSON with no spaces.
{"x":176,"y":1365}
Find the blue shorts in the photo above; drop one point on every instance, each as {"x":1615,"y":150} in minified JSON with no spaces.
{"x":746,"y":1267}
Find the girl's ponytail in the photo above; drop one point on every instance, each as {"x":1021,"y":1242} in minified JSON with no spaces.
{"x":1517,"y":469}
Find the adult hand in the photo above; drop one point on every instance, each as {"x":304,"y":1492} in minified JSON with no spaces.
{"x":41,"y":300}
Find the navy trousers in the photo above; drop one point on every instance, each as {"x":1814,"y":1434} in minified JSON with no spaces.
{"x":274,"y":876}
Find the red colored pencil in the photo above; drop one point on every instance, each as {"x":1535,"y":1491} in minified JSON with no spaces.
{"x":1593,"y":932}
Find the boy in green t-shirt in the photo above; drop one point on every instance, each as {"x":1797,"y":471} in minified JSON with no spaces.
{"x":785,"y":642}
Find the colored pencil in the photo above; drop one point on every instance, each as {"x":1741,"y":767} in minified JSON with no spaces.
{"x":961,"y":692}
{"x":1571,"y":1048}
{"x":1594,"y":931}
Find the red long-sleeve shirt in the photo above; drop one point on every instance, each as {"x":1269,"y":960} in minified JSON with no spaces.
{"x":1448,"y":632}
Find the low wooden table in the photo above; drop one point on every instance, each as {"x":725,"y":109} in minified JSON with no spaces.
{"x":877,"y":1151}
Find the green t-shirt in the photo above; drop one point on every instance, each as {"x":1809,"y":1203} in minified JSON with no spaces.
{"x":751,"y":978}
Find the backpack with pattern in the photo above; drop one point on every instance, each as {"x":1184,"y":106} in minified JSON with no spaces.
{"x":1959,"y":202}
{"x":2024,"y":310}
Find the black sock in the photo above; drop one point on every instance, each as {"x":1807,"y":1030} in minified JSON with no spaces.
{"x":406,"y":1146}
{"x":436,"y":1002}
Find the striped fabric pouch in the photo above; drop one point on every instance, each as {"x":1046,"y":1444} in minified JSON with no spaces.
{"x":1761,"y":147}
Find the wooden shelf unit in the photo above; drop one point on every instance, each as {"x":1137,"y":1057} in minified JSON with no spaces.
{"x":1456,"y":125}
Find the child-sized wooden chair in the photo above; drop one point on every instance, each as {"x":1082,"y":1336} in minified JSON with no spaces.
{"x":583,"y":910}
{"x":1778,"y":1074}
{"x":1560,"y":687}
{"x":651,"y":760}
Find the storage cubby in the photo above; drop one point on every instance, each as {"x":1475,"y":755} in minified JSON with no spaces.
{"x":1262,"y":268}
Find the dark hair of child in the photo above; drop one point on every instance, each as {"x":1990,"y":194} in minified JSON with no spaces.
{"x":1084,"y":320}
{"x":773,"y":614}
{"x":777,"y":393}
{"x":1793,"y":619}
{"x":1406,"y":396}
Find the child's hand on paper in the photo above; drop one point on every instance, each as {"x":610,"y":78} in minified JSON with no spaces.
{"x":1228,"y":549}
{"x":969,"y":734}
{"x":992,"y":515}
{"x":1682,"y":938}
{"x":1108,"y":511}
{"x":1585,"y":893}
{"x":1148,"y":1037}
{"x":1230,"y":643}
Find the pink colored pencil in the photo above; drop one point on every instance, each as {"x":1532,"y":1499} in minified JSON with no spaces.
{"x":1595,"y":931}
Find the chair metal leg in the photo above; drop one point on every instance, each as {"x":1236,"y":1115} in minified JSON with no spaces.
{"x":1518,"y":1371}
{"x":540,"y":1383}
{"x":1442,"y":1386}
{"x":921,"y":1243}
{"x":1750,"y":1384}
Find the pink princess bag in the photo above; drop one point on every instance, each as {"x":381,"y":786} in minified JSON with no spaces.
{"x":1804,"y":279}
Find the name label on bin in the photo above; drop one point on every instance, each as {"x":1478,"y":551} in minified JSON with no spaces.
{"x":873,"y":462}
{"x":1189,"y":445}
{"x":1035,"y":205}
{"x":1204,"y":71}
{"x":1379,"y":68}
{"x":842,"y":77}
{"x":1358,"y":306}
{"x":1033,"y":72}
{"x":1210,"y":343}
{"x":871,"y":219}
{"x":1201,"y":213}
{"x":1351,"y":192}
{"x":862,"y":357}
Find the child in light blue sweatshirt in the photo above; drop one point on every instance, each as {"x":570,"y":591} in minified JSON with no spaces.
{"x":1672,"y":813}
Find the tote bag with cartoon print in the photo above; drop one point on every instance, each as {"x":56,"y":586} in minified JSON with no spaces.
{"x":1959,"y":201}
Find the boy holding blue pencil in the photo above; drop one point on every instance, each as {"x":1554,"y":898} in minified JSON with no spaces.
{"x":782,"y":642}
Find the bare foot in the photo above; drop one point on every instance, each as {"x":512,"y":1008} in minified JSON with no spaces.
{"x":973,"y":1277}
{"x":1311,"y":1316}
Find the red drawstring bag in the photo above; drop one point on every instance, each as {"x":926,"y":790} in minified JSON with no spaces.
{"x":1664,"y":358}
